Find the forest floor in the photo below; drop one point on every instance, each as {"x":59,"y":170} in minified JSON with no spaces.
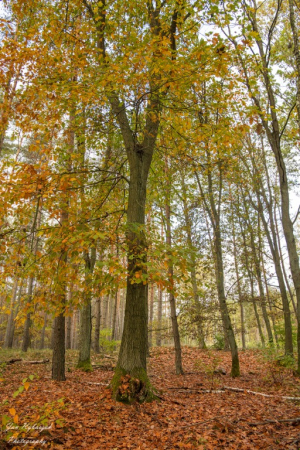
{"x":195,"y":411}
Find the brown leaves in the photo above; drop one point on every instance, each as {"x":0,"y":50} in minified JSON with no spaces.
{"x":185,"y":418}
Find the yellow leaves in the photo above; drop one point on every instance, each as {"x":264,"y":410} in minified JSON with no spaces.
{"x":12,"y":411}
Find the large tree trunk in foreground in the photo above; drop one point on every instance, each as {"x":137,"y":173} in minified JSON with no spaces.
{"x":134,"y":344}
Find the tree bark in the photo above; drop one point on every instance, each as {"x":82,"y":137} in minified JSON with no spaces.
{"x":295,"y":33}
{"x":175,"y":329}
{"x":42,"y":341}
{"x":9,"y":333}
{"x":133,"y":350}
{"x":85,"y":335}
{"x":159,"y":317}
{"x":26,"y":334}
{"x":197,"y":303}
{"x":213,"y":212}
{"x":97,"y":325}
{"x":151,"y":308}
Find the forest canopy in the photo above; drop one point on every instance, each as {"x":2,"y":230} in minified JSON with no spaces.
{"x":149,"y":158}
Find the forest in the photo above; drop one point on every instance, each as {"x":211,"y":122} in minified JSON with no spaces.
{"x":149,"y":224}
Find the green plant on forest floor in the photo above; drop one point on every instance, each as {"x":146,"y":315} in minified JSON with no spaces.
{"x":210,"y":368}
{"x":107,"y":344}
{"x":277,"y":365}
{"x":219,"y":342}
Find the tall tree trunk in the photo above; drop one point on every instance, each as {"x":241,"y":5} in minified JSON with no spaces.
{"x":286,"y":279}
{"x":176,"y":335}
{"x":258,"y":276}
{"x":68,"y":332}
{"x":274,"y":137}
{"x":59,"y":326}
{"x":26,"y":334}
{"x":271,"y":234}
{"x":159,"y":317}
{"x":115,"y":315}
{"x":250,"y":276}
{"x":9,"y":333}
{"x":97,"y":325}
{"x":151,"y":310}
{"x":133,"y":351}
{"x":197,"y":303}
{"x":242,"y":312}
{"x":295,"y":33}
{"x":85,"y":335}
{"x":42,"y":341}
{"x":213,"y":212}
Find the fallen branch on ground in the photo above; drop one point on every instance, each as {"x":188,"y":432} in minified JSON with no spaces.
{"x":228,"y":388}
{"x":12,"y":361}
{"x":234,"y":389}
{"x":265,"y":422}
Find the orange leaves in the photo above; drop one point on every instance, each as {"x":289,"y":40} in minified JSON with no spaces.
{"x":185,"y":418}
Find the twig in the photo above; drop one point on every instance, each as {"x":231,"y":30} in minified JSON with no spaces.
{"x":229,"y":388}
{"x":234,"y":389}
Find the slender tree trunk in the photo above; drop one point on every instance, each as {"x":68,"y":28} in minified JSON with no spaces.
{"x":260,"y":331}
{"x":243,"y":330}
{"x":85,"y":336}
{"x":176,"y":335}
{"x":261,"y":289}
{"x":282,"y":264}
{"x":235,"y":368}
{"x":159,"y":317}
{"x":151,"y":308}
{"x":9,"y":333}
{"x":271,"y":234}
{"x":274,"y":138}
{"x":295,"y":33}
{"x":59,"y":328}
{"x":115,"y":315}
{"x":42,"y":341}
{"x":97,"y":325}
{"x":197,"y":303}
{"x":68,"y":332}
{"x":250,"y":276}
{"x":26,"y":335}
{"x":284,"y":298}
{"x":213,"y":212}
